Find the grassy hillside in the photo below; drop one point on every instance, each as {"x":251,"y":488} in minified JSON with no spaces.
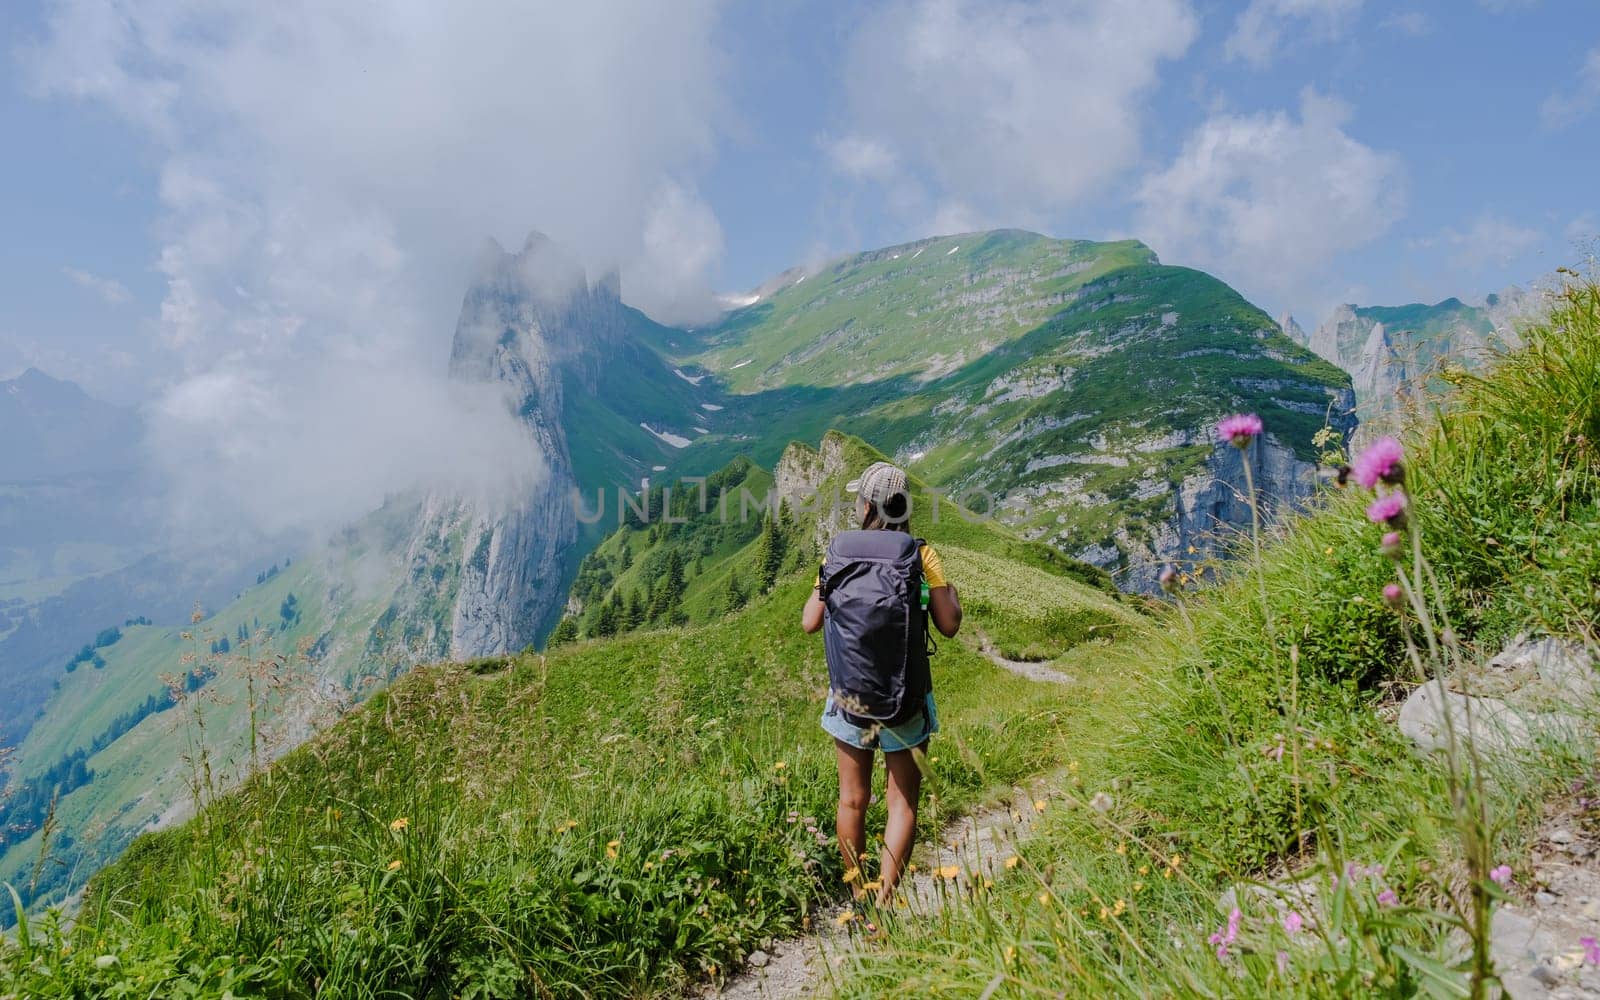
{"x":287,"y":655}
{"x":720,"y":543}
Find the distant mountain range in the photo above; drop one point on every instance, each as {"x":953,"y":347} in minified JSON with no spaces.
{"x":55,"y":429}
{"x":1390,"y":351}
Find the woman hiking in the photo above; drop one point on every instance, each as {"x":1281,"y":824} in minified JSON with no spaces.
{"x":877,"y":590}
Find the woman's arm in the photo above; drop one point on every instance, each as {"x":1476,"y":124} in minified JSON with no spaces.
{"x":811,"y":617}
{"x":945,"y":609}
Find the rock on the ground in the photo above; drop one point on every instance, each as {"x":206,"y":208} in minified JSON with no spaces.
{"x":1528,"y":693}
{"x":1538,"y":946}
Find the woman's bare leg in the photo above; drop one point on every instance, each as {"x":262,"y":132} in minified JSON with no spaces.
{"x":905,"y":786}
{"x":855,"y":792}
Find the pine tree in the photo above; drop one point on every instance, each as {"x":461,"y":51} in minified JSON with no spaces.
{"x":674,"y":576}
{"x":566,"y":631}
{"x":635,"y":616}
{"x":627,"y":555}
{"x":610,"y":615}
{"x":769,"y":554}
{"x":733,"y":596}
{"x":660,"y":603}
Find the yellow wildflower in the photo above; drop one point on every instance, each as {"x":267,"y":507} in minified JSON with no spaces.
{"x":648,"y":865}
{"x":1118,"y":908}
{"x":611,"y":848}
{"x":1044,"y":898}
{"x":873,"y":886}
{"x":1011,"y":955}
{"x":1144,"y":869}
{"x":844,"y":918}
{"x":1013,"y":861}
{"x":399,"y":824}
{"x":852,"y":875}
{"x":1104,"y":913}
{"x":1072,"y":767}
{"x":780,"y":765}
{"x":1122,"y":848}
{"x":1038,"y":805}
{"x":394,"y":865}
{"x":950,"y":871}
{"x":1138,"y":887}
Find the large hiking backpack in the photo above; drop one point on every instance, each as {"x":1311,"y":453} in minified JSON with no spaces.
{"x":875,"y":633}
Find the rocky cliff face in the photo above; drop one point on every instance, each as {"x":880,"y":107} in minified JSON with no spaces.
{"x":1391,"y":351}
{"x":532,"y":327}
{"x":1209,"y":510}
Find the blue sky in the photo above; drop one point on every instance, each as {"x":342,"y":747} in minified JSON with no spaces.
{"x":202,"y":189}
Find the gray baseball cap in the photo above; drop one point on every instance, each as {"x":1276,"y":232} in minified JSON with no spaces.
{"x":879,"y":482}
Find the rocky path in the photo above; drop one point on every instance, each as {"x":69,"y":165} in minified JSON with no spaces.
{"x":1539,"y":941}
{"x":1022,"y":668}
{"x":970,"y":849}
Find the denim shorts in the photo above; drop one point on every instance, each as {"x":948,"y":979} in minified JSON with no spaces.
{"x":906,"y":736}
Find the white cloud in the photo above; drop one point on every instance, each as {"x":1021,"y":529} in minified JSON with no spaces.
{"x":682,"y":242}
{"x":1562,"y":109}
{"x":327,"y":174}
{"x":392,"y":425}
{"x":860,"y":156}
{"x":109,"y":290}
{"x":1259,"y":31}
{"x":1490,"y":242}
{"x":1414,"y":23}
{"x":1002,"y":112}
{"x":1268,"y":202}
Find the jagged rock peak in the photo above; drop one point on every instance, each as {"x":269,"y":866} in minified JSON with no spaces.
{"x":532,"y":308}
{"x":1292,"y":330}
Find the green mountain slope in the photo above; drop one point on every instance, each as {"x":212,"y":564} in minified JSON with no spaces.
{"x":721,"y":542}
{"x":221,"y":696}
{"x":1069,"y":384}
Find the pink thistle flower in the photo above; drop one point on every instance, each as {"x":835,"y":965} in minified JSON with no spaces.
{"x":1283,"y":962}
{"x":1389,"y":509}
{"x":1292,"y":922}
{"x":1388,"y":898}
{"x":1500,"y":876}
{"x":1240,"y":429}
{"x":1227,"y":935}
{"x":1393,"y":595}
{"x":1380,"y":462}
{"x":1591,"y":950}
{"x":1393,"y":545}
